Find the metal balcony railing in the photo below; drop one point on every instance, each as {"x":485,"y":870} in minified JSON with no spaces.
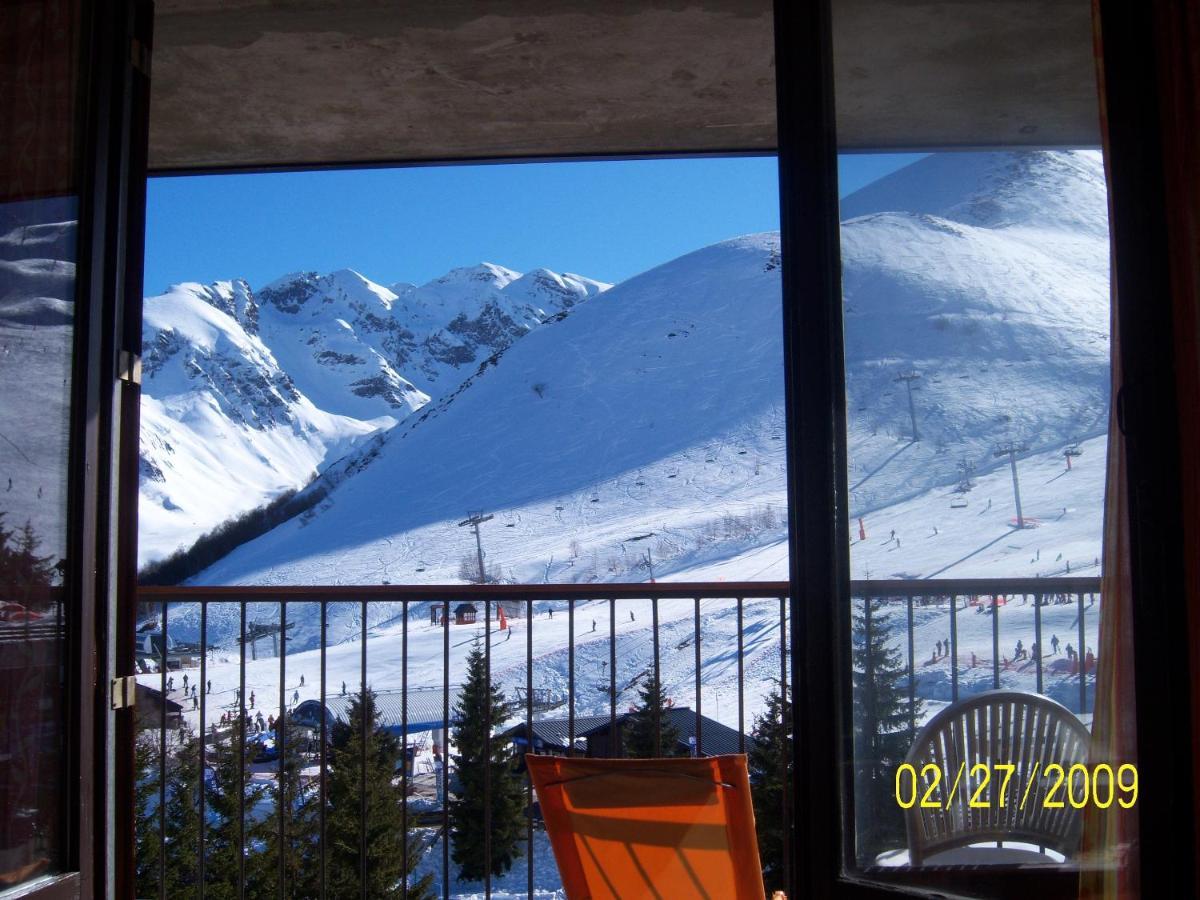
{"x":901,"y":601}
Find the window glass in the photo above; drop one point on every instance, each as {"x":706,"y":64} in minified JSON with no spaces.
{"x":38,"y":212}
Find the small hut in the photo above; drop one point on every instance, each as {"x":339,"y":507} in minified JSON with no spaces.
{"x":464,"y":614}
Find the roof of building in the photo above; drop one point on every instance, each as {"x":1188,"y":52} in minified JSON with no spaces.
{"x":553,"y":732}
{"x":425,"y":709}
{"x":715,"y":739}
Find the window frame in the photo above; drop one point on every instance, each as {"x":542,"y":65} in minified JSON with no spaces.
{"x":822,"y":802}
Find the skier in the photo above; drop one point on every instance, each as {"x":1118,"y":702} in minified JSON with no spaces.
{"x":252,"y":703}
{"x":989,"y":506}
{"x":301,"y":679}
{"x":1054,"y":643}
{"x":551,"y":612}
{"x":974,"y":661}
{"x":185,"y":683}
{"x":893,"y":534}
{"x":939,"y":649}
{"x":1019,"y":652}
{"x":171,"y":683}
{"x":295,"y":696}
{"x":632,"y":618}
{"x":1070,"y":652}
{"x":1035,"y":651}
{"x":935,"y":531}
{"x":195,"y":702}
{"x":897,"y":543}
{"x":343,"y":689}
{"x":209,"y":686}
{"x":593,"y":624}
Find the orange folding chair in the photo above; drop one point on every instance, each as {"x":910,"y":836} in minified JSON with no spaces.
{"x":627,"y":828}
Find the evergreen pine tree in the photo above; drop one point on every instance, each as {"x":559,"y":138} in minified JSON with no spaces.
{"x":769,"y":756}
{"x":506,"y":825}
{"x":387,"y":864}
{"x":881,"y":729}
{"x":182,"y":813}
{"x":640,"y":728}
{"x":298,"y":803}
{"x":145,"y":811}
{"x":221,"y":842}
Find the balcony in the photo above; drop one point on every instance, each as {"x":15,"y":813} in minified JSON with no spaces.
{"x":572,"y":661}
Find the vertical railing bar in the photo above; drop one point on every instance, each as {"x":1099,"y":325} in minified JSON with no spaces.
{"x":445,"y":750}
{"x":953,"y":648}
{"x":1081,"y":655}
{"x":1037,"y":630}
{"x":529,"y":748}
{"x":996,"y":641}
{"x":162,"y":767}
{"x":362,"y":762}
{"x":570,"y":676}
{"x":203,"y":686}
{"x":784,"y":757}
{"x":242,"y":724}
{"x":613,"y":749}
{"x":404,"y":745}
{"x":487,"y":748}
{"x":657,"y":679}
{"x":324,"y":737}
{"x":281,"y":746}
{"x":696,"y":636}
{"x":741,"y":666}
{"x":912,"y":670}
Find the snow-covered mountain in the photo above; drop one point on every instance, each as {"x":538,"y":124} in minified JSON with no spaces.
{"x":248,"y":394}
{"x":660,"y":410}
{"x":37,"y":302}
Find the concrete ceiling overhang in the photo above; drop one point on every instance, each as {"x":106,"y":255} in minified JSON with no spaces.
{"x":257,"y":83}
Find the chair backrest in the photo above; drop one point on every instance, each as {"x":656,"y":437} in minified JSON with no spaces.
{"x":1029,"y":732}
{"x":627,"y":828}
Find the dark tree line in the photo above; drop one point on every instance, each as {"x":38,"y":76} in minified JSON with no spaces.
{"x":228,"y":536}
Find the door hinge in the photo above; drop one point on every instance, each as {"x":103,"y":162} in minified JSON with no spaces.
{"x":129,"y":367}
{"x":123,"y":692}
{"x":139,"y":56}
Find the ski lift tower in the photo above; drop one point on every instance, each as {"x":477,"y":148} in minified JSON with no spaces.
{"x":908,"y":378}
{"x":1011,"y":449}
{"x":475,"y":520}
{"x":1070,"y":452}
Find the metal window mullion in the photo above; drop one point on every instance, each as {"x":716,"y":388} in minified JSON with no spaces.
{"x":783,"y":715}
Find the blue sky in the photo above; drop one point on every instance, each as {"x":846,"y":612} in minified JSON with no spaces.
{"x":607,"y":220}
